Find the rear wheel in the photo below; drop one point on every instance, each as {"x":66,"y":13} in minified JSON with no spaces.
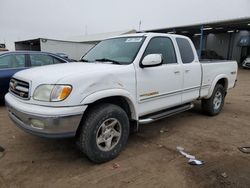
{"x":215,"y":103}
{"x":104,"y":133}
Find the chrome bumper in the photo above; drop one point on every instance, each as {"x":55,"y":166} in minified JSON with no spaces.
{"x":50,"y":126}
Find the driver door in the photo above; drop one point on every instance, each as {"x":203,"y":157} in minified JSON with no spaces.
{"x":159,"y":87}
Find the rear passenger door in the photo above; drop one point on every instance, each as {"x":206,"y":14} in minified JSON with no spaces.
{"x":191,"y":70}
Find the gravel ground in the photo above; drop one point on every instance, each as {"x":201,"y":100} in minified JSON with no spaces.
{"x":150,"y":158}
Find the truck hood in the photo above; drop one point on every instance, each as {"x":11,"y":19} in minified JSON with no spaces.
{"x":51,"y":74}
{"x":85,"y":78}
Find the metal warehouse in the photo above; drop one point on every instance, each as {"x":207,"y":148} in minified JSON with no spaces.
{"x":225,"y":39}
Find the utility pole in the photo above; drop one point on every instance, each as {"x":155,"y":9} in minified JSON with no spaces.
{"x":201,"y":40}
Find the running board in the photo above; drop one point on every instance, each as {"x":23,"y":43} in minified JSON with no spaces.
{"x":166,"y":113}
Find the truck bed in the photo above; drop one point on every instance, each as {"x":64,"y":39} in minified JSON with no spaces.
{"x":214,"y":61}
{"x":210,"y":71}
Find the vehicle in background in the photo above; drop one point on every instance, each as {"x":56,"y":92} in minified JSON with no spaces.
{"x":210,"y":54}
{"x":62,"y":55}
{"x":246,"y":62}
{"x":122,"y":82}
{"x":3,"y":48}
{"x":12,"y":62}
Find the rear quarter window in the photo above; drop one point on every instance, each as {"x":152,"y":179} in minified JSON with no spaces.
{"x":186,"y":51}
{"x":57,"y":60}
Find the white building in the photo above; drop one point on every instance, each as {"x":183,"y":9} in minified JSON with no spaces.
{"x":74,"y":47}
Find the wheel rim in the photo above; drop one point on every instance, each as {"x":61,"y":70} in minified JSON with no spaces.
{"x":108,"y":134}
{"x":217,"y":100}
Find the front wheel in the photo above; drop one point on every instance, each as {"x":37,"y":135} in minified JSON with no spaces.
{"x":104,"y":133}
{"x":215,"y":103}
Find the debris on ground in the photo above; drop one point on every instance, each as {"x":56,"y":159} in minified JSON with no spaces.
{"x":195,"y":162}
{"x":163,"y":130}
{"x":115,"y":165}
{"x":1,"y":151}
{"x":192,"y":160}
{"x":160,"y":145}
{"x":181,"y":150}
{"x":224,"y":175}
{"x":245,"y":150}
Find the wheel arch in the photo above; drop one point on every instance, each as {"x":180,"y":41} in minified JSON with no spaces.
{"x":118,"y":97}
{"x":221,"y":79}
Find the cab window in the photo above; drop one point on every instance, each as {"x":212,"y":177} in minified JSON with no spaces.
{"x":186,"y":51}
{"x":163,"y":46}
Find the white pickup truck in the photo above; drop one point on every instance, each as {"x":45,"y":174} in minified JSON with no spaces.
{"x":122,"y":82}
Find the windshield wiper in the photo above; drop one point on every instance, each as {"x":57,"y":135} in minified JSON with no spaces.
{"x":84,"y":60}
{"x":108,"y":60}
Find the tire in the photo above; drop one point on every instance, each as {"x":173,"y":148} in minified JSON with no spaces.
{"x":104,"y":132}
{"x":215,"y":103}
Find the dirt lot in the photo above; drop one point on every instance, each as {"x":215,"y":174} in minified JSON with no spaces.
{"x":150,"y":158}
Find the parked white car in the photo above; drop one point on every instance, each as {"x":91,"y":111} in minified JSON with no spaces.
{"x":246,"y":63}
{"x":124,"y":81}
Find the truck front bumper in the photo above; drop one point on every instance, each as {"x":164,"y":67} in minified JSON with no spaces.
{"x":49,"y":122}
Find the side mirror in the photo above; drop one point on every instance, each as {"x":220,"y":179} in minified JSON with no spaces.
{"x":151,"y":60}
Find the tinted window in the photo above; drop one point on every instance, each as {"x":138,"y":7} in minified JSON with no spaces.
{"x":164,"y":46}
{"x":186,"y":50}
{"x":12,"y":61}
{"x":40,"y":60}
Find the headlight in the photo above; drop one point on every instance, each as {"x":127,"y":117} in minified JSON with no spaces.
{"x":52,"y":92}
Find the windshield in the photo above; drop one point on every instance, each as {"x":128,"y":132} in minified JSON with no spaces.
{"x":118,"y":50}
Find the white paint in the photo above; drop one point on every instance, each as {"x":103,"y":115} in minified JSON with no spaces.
{"x":147,"y":90}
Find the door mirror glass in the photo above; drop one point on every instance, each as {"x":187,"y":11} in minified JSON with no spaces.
{"x":152,"y":60}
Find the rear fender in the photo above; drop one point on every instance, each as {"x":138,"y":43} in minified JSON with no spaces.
{"x":219,"y":77}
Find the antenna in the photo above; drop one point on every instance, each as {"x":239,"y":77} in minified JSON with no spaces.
{"x":86,"y":29}
{"x":140,"y":25}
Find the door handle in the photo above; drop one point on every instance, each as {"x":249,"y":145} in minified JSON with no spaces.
{"x":177,"y":72}
{"x":187,"y":71}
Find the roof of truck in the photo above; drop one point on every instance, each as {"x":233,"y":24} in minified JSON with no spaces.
{"x":144,"y":34}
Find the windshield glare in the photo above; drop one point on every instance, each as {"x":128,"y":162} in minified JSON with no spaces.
{"x":122,"y":50}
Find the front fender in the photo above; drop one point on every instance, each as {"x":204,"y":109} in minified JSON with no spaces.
{"x":113,"y":93}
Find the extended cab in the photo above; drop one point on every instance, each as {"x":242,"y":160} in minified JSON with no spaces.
{"x":122,"y":82}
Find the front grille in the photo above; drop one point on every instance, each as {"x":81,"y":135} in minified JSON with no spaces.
{"x":19,"y":88}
